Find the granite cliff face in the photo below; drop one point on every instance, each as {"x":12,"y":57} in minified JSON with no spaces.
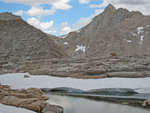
{"x":115,"y":32}
{"x":21,"y":41}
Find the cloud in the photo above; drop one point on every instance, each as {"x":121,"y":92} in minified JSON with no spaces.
{"x":84,"y":1}
{"x":39,"y":11}
{"x":98,"y":11}
{"x":56,"y":4}
{"x":44,"y":26}
{"x":47,"y":27}
{"x":61,"y":4}
{"x":132,"y":5}
{"x":65,"y":28}
{"x":82,"y":22}
{"x":20,"y":12}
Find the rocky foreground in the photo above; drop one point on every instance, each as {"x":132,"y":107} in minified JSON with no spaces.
{"x":31,"y":99}
{"x":82,"y":68}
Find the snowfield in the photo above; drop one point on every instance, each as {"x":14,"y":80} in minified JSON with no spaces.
{"x":11,"y":109}
{"x":80,"y":48}
{"x":17,"y":81}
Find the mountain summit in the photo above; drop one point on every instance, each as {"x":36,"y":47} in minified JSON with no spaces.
{"x":21,"y":41}
{"x":116,"y":32}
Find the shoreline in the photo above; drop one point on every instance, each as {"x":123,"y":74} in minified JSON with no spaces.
{"x":19,"y":80}
{"x":36,"y":93}
{"x":141,"y":103}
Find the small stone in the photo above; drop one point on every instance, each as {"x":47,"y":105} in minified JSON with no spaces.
{"x":144,"y":104}
{"x":26,"y":76}
{"x":125,"y":103}
{"x":52,"y":109}
{"x":148,"y":102}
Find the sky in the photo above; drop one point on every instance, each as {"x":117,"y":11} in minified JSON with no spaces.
{"x":59,"y":17}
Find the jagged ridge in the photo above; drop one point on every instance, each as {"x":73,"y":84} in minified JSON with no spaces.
{"x":115,"y":32}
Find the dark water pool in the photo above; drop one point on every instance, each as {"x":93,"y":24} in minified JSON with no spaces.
{"x":83,"y":105}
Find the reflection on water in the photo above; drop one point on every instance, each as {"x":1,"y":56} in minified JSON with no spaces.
{"x":82,"y":105}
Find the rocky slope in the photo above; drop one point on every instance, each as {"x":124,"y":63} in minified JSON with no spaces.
{"x":115,"y":32}
{"x":21,"y":41}
{"x":82,"y":68}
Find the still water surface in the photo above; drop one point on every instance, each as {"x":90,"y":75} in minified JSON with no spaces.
{"x":83,"y":105}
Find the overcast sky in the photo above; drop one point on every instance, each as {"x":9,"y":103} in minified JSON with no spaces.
{"x":60,"y":17}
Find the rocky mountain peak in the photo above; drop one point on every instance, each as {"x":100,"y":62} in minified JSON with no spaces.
{"x":8,"y":16}
{"x":115,"y":32}
{"x":105,"y":18}
{"x":110,"y":8}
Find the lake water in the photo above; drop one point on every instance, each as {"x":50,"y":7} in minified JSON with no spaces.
{"x":83,"y":105}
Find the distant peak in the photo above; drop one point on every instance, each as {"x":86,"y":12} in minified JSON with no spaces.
{"x":8,"y":16}
{"x":110,"y":7}
{"x":110,"y":10}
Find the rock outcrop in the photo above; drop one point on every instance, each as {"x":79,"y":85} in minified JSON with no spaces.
{"x":82,"y":68}
{"x":31,"y":99}
{"x":146,"y":103}
{"x":113,"y":33}
{"x":20,"y":41}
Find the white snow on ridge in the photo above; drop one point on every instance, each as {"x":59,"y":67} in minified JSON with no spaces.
{"x":65,"y":43}
{"x":17,"y":81}
{"x":80,"y":48}
{"x":64,"y":36}
{"x":129,"y":40}
{"x":11,"y":109}
{"x":133,"y":34}
{"x":140,"y":30}
{"x":141,"y":38}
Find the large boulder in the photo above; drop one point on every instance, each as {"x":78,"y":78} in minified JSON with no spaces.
{"x":31,"y":99}
{"x":52,"y":109}
{"x":146,"y":103}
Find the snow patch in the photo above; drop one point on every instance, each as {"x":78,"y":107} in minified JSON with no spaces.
{"x":140,"y":30}
{"x":80,"y":48}
{"x":141,"y":38}
{"x":11,"y":109}
{"x":17,"y":81}
{"x":65,"y":43}
{"x":129,"y":40}
{"x":133,"y":34}
{"x":64,"y":36}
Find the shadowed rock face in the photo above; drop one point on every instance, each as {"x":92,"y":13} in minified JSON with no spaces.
{"x":21,"y":41}
{"x":105,"y":91}
{"x":115,"y":32}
